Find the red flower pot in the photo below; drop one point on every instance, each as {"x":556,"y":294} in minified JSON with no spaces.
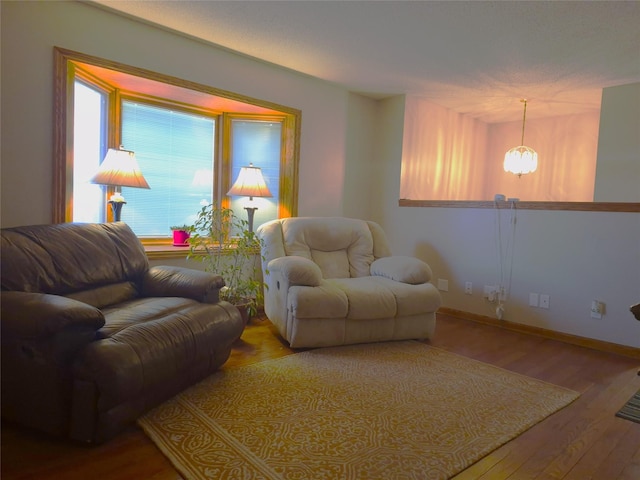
{"x":180,"y":238}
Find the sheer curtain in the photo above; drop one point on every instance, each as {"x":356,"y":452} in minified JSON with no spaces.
{"x":449,"y":156}
{"x":443,"y":154}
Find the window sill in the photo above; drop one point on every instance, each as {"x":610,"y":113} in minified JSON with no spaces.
{"x":165,"y":251}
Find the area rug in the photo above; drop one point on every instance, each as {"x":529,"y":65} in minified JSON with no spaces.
{"x":397,"y":410}
{"x":631,"y":409}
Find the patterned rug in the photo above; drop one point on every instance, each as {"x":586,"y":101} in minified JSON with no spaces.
{"x":397,"y":410}
{"x":631,"y":409}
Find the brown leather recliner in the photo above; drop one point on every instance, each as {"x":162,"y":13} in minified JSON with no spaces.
{"x":92,"y":337}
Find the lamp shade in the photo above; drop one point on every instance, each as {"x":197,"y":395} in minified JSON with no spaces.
{"x":521,"y":160}
{"x":120,"y":168}
{"x":250,"y":183}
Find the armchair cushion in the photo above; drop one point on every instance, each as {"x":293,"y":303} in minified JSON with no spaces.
{"x":402,"y":269}
{"x":60,"y":259}
{"x":332,"y":264}
{"x":324,"y":301}
{"x":167,"y":281}
{"x":297,"y":270}
{"x":368,"y":298}
{"x":106,"y":295}
{"x":341,"y":251}
{"x":34,"y":315}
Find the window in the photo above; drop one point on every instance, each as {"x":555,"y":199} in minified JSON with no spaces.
{"x":257,"y":142}
{"x":90,"y":119}
{"x":190,"y":142}
{"x":175,"y":151}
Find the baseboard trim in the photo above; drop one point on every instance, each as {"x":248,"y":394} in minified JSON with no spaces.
{"x":542,"y":332}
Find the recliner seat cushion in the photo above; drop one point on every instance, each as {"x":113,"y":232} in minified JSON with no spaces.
{"x":363,"y":298}
{"x":140,"y":311}
{"x":411,"y":299}
{"x":367,"y":297}
{"x":149,"y":349}
{"x":106,"y":295}
{"x":323,"y":301}
{"x":146,"y":342}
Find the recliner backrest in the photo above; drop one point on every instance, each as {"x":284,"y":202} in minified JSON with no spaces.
{"x":341,"y":247}
{"x":70,"y":257}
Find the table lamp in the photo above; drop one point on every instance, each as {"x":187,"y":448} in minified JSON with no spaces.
{"x":119,"y":169}
{"x":250,"y":183}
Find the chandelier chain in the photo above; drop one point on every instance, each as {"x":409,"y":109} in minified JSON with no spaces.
{"x":524,"y":118}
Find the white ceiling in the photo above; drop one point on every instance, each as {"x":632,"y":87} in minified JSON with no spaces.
{"x":476,"y":57}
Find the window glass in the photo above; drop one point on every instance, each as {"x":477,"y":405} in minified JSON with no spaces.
{"x":259,"y":143}
{"x":88,"y":150}
{"x":175,"y":151}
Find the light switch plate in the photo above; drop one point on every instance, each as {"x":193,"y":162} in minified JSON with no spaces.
{"x":443,"y":284}
{"x":544,"y":301}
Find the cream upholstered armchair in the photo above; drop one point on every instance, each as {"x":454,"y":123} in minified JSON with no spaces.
{"x":333,"y":281}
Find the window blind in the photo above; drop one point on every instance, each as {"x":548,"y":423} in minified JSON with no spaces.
{"x":175,"y":151}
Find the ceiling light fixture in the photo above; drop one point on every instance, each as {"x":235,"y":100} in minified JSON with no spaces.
{"x":521,"y":160}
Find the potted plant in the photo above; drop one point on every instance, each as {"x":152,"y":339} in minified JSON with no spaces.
{"x":181,"y":235}
{"x":223,"y":242}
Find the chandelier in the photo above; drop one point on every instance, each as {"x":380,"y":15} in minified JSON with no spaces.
{"x":521,"y":159}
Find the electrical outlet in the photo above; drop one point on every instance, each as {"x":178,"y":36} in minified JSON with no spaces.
{"x":533,"y":299}
{"x":468,"y":288}
{"x":597,"y":309}
{"x":544,"y":301}
{"x":502,"y":294}
{"x":490,"y":293}
{"x":443,"y":285}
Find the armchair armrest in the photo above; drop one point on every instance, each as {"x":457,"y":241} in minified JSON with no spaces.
{"x":402,"y":269}
{"x":35,"y":315}
{"x":296,"y":270}
{"x":168,"y":281}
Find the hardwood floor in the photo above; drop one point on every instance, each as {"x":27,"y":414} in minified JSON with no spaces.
{"x":583,"y":441}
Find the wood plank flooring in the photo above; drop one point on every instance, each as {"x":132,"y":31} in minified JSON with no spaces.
{"x":583,"y":441}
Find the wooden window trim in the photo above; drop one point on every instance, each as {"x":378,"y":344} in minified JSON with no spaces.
{"x":64,"y":75}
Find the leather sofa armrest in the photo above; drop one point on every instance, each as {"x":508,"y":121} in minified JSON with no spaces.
{"x":168,"y":281}
{"x":39,"y":315}
{"x":402,"y":269}
{"x":296,"y":270}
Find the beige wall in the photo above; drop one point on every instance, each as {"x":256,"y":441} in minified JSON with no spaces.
{"x":350,"y":165}
{"x":618,"y":174}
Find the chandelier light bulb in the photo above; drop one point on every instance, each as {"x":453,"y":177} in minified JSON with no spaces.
{"x":521,"y":160}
